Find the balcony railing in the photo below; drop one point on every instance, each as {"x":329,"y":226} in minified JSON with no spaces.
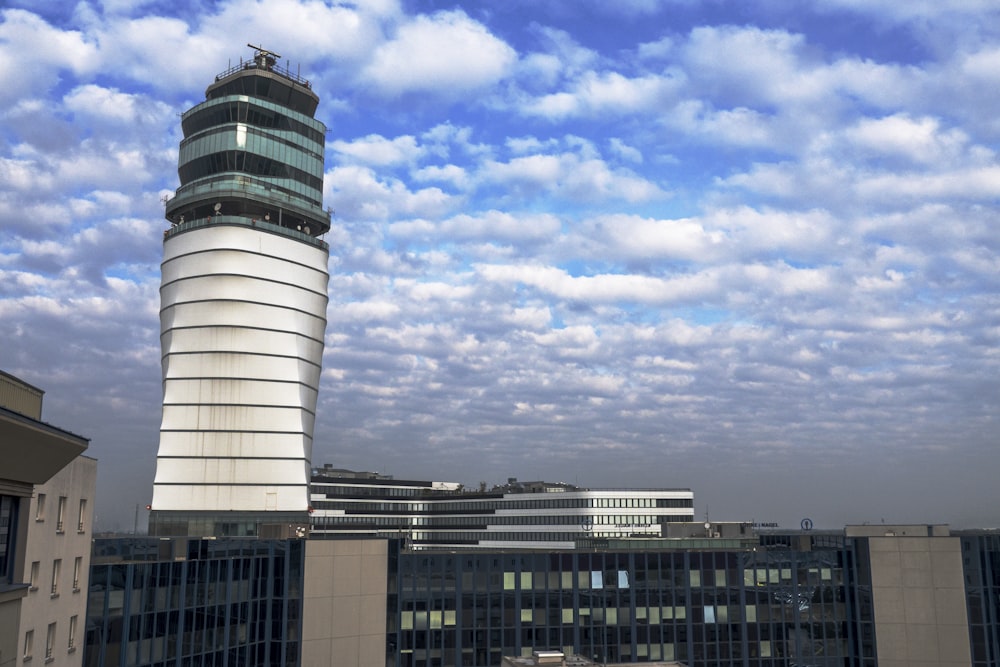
{"x":235,"y":220}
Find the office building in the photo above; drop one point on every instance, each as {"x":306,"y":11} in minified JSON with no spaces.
{"x":539,"y":515}
{"x":886,"y":597}
{"x":243,"y":308}
{"x":46,"y":502}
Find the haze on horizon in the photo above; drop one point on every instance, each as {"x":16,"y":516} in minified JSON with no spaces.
{"x":745,"y":248}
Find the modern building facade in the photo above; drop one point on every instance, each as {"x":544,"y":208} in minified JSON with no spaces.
{"x":46,"y":499}
{"x":177,"y":601}
{"x":539,"y":515}
{"x":243,"y":308}
{"x":901,"y":595}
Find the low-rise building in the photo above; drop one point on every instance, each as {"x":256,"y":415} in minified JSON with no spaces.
{"x":530,"y":515}
{"x":46,"y":499}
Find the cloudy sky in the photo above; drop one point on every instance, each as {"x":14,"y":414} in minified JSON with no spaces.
{"x":749,"y":248}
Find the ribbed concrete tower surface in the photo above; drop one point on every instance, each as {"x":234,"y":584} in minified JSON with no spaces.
{"x":243,"y":301}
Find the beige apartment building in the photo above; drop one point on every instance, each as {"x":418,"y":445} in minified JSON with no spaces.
{"x":47,"y":492}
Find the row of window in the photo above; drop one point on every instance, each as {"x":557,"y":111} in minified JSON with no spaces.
{"x":586,"y":521}
{"x":51,"y":637}
{"x":250,"y":163}
{"x":256,"y":189}
{"x":332,"y":490}
{"x":241,"y":137}
{"x":475,"y":537}
{"x":251,"y":114}
{"x":40,"y":510}
{"x":54,"y":589}
{"x":448,"y":505}
{"x":702,"y":608}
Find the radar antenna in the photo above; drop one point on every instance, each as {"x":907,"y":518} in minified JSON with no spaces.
{"x":265,"y":59}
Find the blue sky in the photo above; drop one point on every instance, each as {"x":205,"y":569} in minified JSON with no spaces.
{"x":746,"y":248}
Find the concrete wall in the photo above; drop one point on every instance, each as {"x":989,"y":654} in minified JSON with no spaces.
{"x":344,"y":603}
{"x":242,"y":321}
{"x":918,"y":592}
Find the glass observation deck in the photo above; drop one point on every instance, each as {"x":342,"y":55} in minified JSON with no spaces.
{"x":253,"y":150}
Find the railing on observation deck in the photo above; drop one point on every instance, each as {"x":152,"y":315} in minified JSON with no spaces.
{"x":239,"y":184}
{"x":276,"y":68}
{"x":245,"y":222}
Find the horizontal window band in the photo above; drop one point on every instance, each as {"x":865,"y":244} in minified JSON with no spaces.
{"x":251,"y":113}
{"x":232,"y":129}
{"x":248,"y":162}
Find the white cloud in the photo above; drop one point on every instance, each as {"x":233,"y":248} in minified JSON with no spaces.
{"x":570,"y":176}
{"x":490,"y":225}
{"x":110,"y":105}
{"x":604,"y":288}
{"x":453,"y":174}
{"x":447,"y":54}
{"x":919,"y":140}
{"x":33,"y":53}
{"x":376,"y":150}
{"x":601,"y":93}
{"x":357,"y":193}
{"x":624,"y":151}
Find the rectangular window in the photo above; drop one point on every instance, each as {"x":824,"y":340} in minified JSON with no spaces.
{"x":71,"y":641}
{"x":56,"y":566}
{"x":80,"y":523}
{"x":61,"y":514}
{"x":77,"y":566}
{"x":50,"y":641}
{"x":40,"y":508}
{"x":33,"y":582}
{"x":29,"y":639}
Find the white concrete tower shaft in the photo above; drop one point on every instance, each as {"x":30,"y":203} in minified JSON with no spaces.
{"x":243,"y":301}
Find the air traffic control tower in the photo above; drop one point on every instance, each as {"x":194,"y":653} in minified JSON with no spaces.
{"x":243,"y":299}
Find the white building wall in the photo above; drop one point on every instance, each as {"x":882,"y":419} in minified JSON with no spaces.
{"x":59,"y":593}
{"x":242,"y":319}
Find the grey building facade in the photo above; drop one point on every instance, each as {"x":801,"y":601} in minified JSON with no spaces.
{"x":778,"y":599}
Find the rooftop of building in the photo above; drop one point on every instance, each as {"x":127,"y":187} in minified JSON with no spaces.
{"x":31,"y":450}
{"x":284,"y":87}
{"x":330,"y":474}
